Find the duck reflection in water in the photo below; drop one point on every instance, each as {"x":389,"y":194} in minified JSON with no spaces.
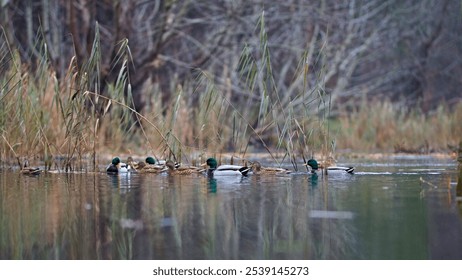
{"x":125,"y":181}
{"x":314,"y":180}
{"x":212,"y":185}
{"x":225,"y":183}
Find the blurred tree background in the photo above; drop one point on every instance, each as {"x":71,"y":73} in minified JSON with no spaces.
{"x":407,"y":51}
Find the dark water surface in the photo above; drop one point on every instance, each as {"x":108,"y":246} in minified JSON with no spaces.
{"x":399,"y":208}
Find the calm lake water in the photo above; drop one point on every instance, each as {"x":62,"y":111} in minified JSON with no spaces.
{"x":397,"y":208}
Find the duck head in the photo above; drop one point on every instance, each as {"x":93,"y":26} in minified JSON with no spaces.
{"x":256,"y":166}
{"x":212,"y":163}
{"x":115,"y":161}
{"x":171,"y":165}
{"x":313,"y":164}
{"x":150,"y":160}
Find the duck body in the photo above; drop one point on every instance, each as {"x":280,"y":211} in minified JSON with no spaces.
{"x":225,"y":170}
{"x":259,"y":170}
{"x":340,"y":169}
{"x":177,"y":169}
{"x":31,"y":171}
{"x":152,"y":169}
{"x":228,"y":169}
{"x":27,"y":170}
{"x":117,"y":167}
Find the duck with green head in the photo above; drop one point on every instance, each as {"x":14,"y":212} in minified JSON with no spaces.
{"x":225,"y":170}
{"x":314,"y":167}
{"x":117,"y":167}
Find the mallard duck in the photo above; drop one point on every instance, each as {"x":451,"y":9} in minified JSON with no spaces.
{"x":117,"y":167}
{"x":133,"y":164}
{"x":140,"y":165}
{"x":26,"y":170}
{"x":258,"y":169}
{"x":177,"y":169}
{"x":314,"y":166}
{"x":148,"y":166}
{"x":225,"y":170}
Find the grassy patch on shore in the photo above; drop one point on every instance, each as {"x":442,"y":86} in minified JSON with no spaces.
{"x":384,"y":127}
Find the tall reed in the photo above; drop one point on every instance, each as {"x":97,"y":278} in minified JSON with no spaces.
{"x":45,"y":117}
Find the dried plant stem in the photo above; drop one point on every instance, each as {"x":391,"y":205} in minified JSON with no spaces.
{"x":139,"y":116}
{"x":13,"y":151}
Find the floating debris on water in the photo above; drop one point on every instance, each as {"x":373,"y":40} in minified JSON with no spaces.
{"x":325,"y":214}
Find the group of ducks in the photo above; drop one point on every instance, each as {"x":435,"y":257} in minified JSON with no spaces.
{"x":212,"y":169}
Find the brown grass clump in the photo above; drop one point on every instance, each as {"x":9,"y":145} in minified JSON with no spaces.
{"x":382,"y":126}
